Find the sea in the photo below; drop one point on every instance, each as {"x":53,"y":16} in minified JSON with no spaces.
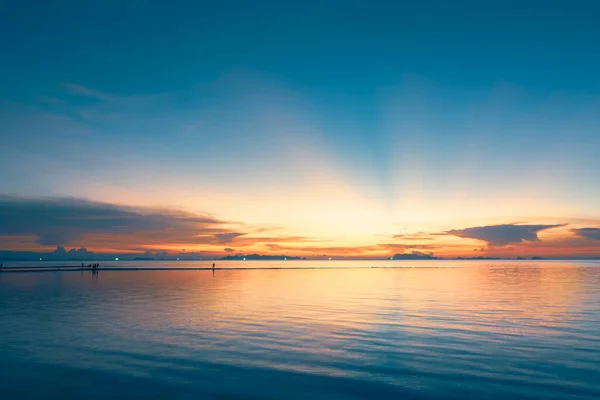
{"x":301,"y":330}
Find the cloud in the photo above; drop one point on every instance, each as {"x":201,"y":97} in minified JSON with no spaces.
{"x":105,"y":103}
{"x":340,"y":250}
{"x":274,"y":246}
{"x":414,"y":236}
{"x":375,"y":250}
{"x":227,"y":237}
{"x":27,"y":223}
{"x":588,"y":233}
{"x":254,"y":240}
{"x":501,"y":235}
{"x":397,"y":246}
{"x":62,"y":221}
{"x":229,"y":249}
{"x":87,"y":92}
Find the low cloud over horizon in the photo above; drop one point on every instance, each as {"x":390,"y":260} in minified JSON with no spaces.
{"x":501,"y":235}
{"x":37,"y":224}
{"x":68,"y":221}
{"x":588,"y":233}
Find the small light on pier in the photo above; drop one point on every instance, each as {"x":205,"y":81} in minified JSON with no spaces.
{"x":116,"y":258}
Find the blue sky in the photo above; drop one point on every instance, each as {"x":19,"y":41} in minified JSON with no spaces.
{"x":365,"y":116}
{"x":351,"y":47}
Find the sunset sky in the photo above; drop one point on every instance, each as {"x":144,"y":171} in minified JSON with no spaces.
{"x":317,"y":128}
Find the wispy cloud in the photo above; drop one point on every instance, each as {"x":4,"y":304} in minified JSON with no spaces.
{"x":253,"y":240}
{"x":227,"y":237}
{"x":414,"y":236}
{"x":91,"y":93}
{"x":378,"y":250}
{"x":399,"y":246}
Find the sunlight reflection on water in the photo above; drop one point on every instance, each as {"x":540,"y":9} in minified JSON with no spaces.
{"x":491,"y":330}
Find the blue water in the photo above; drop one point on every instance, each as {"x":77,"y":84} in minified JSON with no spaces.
{"x":520,"y":330}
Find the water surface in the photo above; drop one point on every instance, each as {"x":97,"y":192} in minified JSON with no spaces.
{"x":471,"y":330}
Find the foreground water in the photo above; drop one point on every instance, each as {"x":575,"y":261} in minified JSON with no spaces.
{"x":473,"y":330}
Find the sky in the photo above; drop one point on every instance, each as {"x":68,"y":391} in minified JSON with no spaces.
{"x":357,"y":129}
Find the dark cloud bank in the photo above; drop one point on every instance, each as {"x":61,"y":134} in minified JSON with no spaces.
{"x":501,"y":235}
{"x":64,"y":221}
{"x":588,"y":233}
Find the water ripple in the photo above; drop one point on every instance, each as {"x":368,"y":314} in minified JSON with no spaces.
{"x":488,"y":332}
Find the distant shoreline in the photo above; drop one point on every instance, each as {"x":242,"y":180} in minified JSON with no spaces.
{"x":78,"y":268}
{"x":210,"y":260}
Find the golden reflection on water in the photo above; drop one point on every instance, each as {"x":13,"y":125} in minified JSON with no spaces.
{"x":510,"y":300}
{"x":411,"y":326}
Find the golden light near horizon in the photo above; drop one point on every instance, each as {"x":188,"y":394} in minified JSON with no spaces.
{"x":343,"y":173}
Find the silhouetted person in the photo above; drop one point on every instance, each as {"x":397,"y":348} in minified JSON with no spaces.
{"x":213,"y":265}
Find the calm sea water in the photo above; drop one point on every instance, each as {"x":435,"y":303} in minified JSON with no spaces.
{"x":464,"y":330}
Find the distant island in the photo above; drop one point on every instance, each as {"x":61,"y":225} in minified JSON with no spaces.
{"x":82,"y":254}
{"x":415,"y":255}
{"x":499,"y":258}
